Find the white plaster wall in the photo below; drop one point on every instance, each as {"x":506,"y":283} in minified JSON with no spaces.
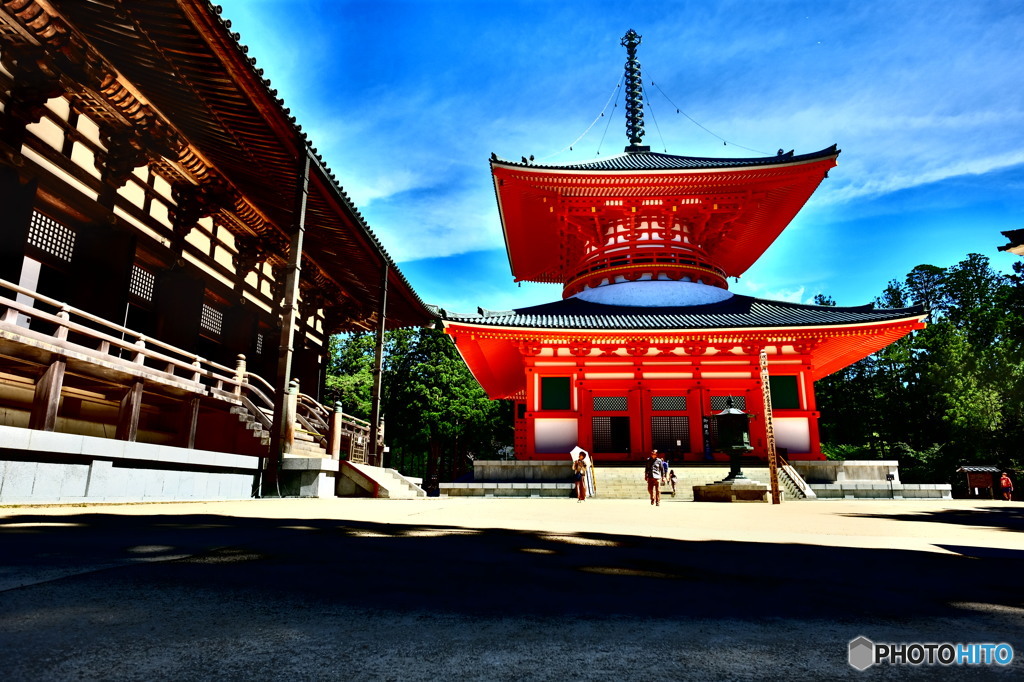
{"x":555,"y":435}
{"x":792,"y":433}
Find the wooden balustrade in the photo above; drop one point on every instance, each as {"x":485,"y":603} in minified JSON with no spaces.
{"x":130,"y":354}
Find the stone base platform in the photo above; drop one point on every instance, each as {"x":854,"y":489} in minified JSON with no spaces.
{"x":732,"y":492}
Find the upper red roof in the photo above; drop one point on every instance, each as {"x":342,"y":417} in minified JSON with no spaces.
{"x":742,"y":204}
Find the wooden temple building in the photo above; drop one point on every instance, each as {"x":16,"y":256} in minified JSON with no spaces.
{"x":647,"y":342}
{"x":174,"y":255}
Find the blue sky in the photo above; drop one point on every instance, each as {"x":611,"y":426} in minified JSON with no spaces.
{"x":406,"y":100}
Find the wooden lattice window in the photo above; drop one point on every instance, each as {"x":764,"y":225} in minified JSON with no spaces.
{"x":719,"y":402}
{"x":142,"y":283}
{"x":668,"y":403}
{"x":610,"y":403}
{"x":50,"y":237}
{"x":211,"y":319}
{"x":610,"y":434}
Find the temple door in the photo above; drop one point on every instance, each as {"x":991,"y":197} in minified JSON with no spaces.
{"x":668,"y":422}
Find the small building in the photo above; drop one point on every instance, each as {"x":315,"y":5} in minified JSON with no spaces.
{"x":982,"y":480}
{"x":174,"y":255}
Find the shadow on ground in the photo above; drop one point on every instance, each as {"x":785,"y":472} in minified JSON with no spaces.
{"x":165,"y":590}
{"x":461,"y":570}
{"x":1009,"y":518}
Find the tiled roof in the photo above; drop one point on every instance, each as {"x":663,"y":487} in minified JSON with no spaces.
{"x":735,"y":312}
{"x":656,"y":161}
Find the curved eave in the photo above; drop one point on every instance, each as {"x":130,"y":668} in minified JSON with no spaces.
{"x":532,"y":200}
{"x":494,"y":357}
{"x":655,"y":162}
{"x":182,"y":58}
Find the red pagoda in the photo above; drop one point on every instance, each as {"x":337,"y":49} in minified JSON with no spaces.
{"x":648,"y":342}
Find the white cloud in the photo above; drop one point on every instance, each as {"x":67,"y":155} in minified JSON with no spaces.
{"x":751,"y":288}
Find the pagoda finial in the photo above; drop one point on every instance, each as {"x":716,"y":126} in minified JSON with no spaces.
{"x":634,"y":94}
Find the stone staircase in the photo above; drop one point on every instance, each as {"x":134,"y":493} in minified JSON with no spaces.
{"x":252,"y":424}
{"x":358,"y":480}
{"x":550,"y":478}
{"x":307,"y":443}
{"x":627,"y":483}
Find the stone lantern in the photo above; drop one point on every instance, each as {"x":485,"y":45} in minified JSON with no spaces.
{"x":733,"y":427}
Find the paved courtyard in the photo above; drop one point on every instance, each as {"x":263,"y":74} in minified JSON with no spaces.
{"x":501,"y":589}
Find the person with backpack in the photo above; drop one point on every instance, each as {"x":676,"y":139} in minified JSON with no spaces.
{"x":652,"y":474}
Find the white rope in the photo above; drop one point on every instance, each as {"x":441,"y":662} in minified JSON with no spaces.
{"x":593,"y":123}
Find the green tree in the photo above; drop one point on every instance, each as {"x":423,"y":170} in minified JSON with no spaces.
{"x":349,"y":377}
{"x":437,"y":417}
{"x":950,"y":394}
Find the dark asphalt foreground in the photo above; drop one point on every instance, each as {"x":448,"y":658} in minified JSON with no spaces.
{"x":501,"y":589}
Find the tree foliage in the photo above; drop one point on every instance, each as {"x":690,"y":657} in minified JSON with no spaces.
{"x":437,"y":417}
{"x":947,"y":395}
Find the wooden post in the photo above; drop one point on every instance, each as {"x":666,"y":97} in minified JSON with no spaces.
{"x":773,"y":469}
{"x":62,"y":331}
{"x":334,"y":433}
{"x":239,"y":373}
{"x":46,"y":401}
{"x":128,"y":413}
{"x":139,"y":356}
{"x":378,"y":359}
{"x":282,"y":424}
{"x":290,"y":413}
{"x":189,"y":422}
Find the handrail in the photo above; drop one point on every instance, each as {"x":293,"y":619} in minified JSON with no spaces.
{"x":265,"y":421}
{"x":251,"y":375}
{"x":795,"y":478}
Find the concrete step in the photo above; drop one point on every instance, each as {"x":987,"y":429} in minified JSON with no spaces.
{"x":307,"y":436}
{"x":308,"y":449}
{"x":397,"y":485}
{"x":627,"y":483}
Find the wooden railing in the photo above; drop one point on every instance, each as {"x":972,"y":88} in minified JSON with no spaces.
{"x":91,"y":337}
{"x":114,"y":349}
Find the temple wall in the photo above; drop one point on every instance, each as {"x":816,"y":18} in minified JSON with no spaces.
{"x":618,"y":407}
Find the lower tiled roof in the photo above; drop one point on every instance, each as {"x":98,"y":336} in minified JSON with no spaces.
{"x":735,"y":312}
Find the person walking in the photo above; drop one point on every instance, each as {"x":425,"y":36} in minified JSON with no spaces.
{"x":1007,"y":486}
{"x":579,"y":476}
{"x":652,"y":474}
